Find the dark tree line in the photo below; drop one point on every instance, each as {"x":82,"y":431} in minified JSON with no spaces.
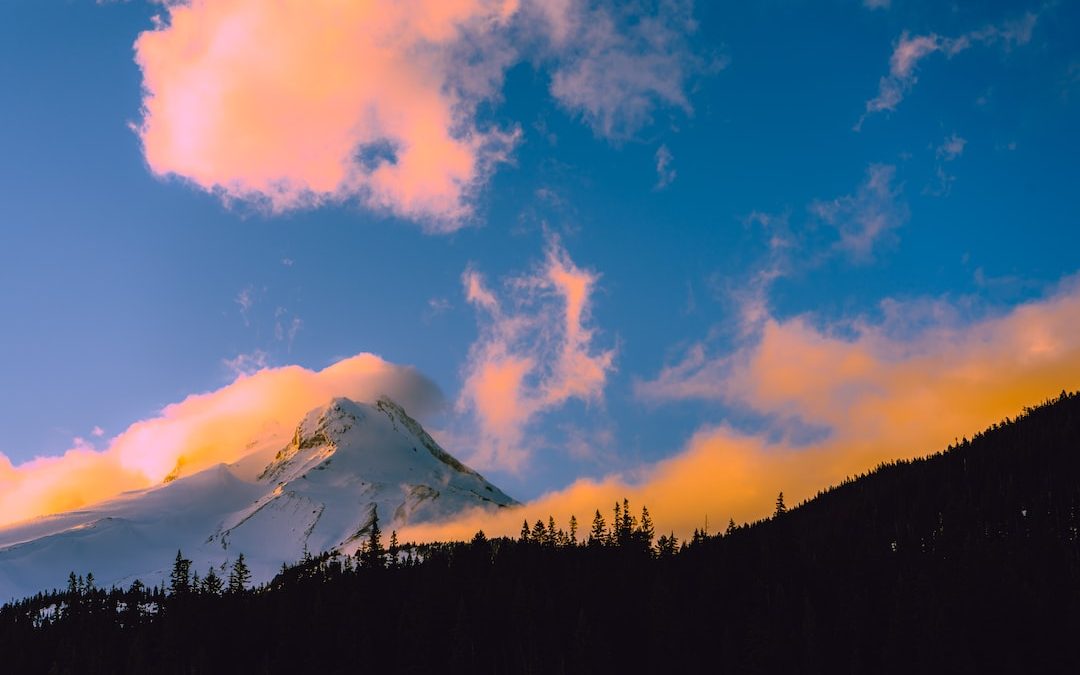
{"x":965,"y":561}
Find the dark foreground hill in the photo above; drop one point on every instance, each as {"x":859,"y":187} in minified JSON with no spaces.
{"x":966,"y":561}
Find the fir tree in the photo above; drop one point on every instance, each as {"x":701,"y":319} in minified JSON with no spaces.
{"x":180,"y":579}
{"x":394,"y":549}
{"x":598,"y":534}
{"x":646,"y":531}
{"x":374,"y":554}
{"x":573,"y":530}
{"x":239,"y":576}
{"x":524,"y":531}
{"x":781,"y":508}
{"x":211,"y":583}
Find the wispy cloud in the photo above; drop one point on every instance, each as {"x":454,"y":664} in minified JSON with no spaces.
{"x":665,"y":172}
{"x":246,"y":300}
{"x":247,"y":364}
{"x":535,"y":352}
{"x":910,"y":50}
{"x":618,"y":64}
{"x":949,"y":150}
{"x":867,"y":217}
{"x":200,"y":431}
{"x":286,"y":327}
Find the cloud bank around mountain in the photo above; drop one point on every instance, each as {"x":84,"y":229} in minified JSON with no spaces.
{"x":201,"y":431}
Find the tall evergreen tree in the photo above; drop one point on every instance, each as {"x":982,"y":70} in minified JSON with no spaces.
{"x":374,"y":554}
{"x":211,"y":583}
{"x":781,"y":508}
{"x":180,"y":578}
{"x":573,"y":530}
{"x":239,"y":576}
{"x":646,"y":531}
{"x":395,"y":548}
{"x":598,"y":535}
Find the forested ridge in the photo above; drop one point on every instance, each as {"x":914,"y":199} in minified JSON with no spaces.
{"x":964,"y":561}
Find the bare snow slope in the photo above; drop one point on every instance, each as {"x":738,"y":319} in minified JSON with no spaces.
{"x":318,"y":493}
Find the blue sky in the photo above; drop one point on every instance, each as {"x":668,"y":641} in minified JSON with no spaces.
{"x":125,"y":289}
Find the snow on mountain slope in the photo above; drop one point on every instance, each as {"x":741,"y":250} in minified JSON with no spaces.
{"x":319,"y":492}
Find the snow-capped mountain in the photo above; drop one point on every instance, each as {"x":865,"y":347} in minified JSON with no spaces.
{"x":345,"y":462}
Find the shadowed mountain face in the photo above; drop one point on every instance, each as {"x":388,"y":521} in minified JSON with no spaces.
{"x":346,"y":462}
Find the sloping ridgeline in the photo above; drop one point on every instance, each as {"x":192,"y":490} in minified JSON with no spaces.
{"x":966,"y":561}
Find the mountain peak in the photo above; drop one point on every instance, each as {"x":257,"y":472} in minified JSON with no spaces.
{"x":345,"y":460}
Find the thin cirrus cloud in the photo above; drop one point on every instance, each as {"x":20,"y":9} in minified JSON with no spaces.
{"x":866,"y":218}
{"x":903,"y":387}
{"x":910,"y":50}
{"x":297,"y":103}
{"x":535,"y":352}
{"x":201,"y":431}
{"x":665,"y":170}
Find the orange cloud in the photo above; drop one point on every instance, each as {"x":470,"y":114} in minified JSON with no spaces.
{"x":881,"y":395}
{"x":531,"y":360}
{"x":201,"y":431}
{"x":295,"y":102}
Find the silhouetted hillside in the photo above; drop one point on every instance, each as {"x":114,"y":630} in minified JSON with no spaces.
{"x":966,"y":561}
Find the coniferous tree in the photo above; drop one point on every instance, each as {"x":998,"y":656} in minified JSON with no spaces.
{"x":180,"y":579}
{"x":646,"y":530}
{"x":598,"y":534}
{"x":626,"y":532}
{"x":394,"y":549}
{"x":781,"y":508}
{"x":239,"y":576}
{"x":524,"y":531}
{"x":573,"y":530}
{"x":374,"y":554}
{"x":539,"y":533}
{"x":211,"y":583}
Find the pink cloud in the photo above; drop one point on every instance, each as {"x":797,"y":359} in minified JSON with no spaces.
{"x":199,"y":432}
{"x":530,"y":359}
{"x":910,"y":50}
{"x":296,"y":103}
{"x":616,"y":72}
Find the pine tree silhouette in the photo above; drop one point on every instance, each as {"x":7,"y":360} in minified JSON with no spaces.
{"x":239,"y":576}
{"x":180,"y":578}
